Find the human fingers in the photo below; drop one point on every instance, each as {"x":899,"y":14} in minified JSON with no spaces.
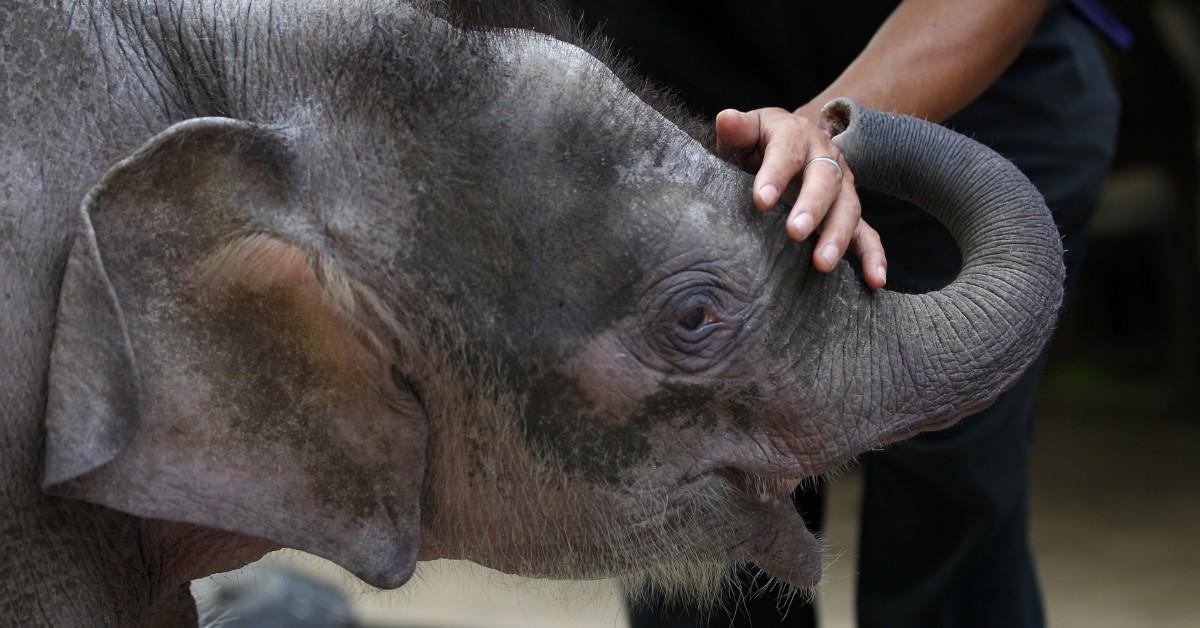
{"x":789,"y":145}
{"x":786,"y":141}
{"x":823,"y":178}
{"x":737,"y":132}
{"x":738,"y":139}
{"x":839,"y":226}
{"x":868,"y":246}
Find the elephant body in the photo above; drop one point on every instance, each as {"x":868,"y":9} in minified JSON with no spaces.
{"x":356,"y":279}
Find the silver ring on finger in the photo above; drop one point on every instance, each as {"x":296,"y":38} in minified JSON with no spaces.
{"x":829,"y":160}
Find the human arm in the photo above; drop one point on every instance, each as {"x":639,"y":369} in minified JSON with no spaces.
{"x":930,"y":59}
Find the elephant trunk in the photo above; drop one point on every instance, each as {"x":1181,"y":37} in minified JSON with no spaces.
{"x":930,"y":359}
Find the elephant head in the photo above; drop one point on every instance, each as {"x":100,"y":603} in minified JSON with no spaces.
{"x":461,"y":294}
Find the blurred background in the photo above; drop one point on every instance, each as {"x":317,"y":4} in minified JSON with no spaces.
{"x":1116,"y":512}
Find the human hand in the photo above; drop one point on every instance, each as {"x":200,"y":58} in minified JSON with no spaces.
{"x":779,"y":145}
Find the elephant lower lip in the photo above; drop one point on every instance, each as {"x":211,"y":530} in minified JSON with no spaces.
{"x":785,"y":548}
{"x":782,"y":545}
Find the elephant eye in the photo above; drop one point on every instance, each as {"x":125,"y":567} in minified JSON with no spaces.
{"x":696,"y":318}
{"x":697,"y":329}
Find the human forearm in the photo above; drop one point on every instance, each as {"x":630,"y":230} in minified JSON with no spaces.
{"x":931,"y":58}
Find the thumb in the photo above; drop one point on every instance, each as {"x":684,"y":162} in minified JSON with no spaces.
{"x":737,"y":132}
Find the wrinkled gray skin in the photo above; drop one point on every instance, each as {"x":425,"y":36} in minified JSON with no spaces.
{"x":493,"y":306}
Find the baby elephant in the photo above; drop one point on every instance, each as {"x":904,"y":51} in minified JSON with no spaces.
{"x":346,"y":277}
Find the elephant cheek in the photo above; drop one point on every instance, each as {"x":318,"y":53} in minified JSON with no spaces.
{"x":586,"y":412}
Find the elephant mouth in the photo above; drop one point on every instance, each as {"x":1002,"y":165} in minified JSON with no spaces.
{"x":780,"y":542}
{"x":764,"y":487}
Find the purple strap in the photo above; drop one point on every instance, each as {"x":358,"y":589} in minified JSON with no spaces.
{"x":1104,"y":21}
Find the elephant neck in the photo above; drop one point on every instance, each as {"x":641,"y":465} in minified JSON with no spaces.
{"x":174,"y":554}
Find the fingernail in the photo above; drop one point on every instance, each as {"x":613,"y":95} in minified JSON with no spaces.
{"x":768,"y":194}
{"x":881,"y":272}
{"x":829,"y":254}
{"x":803,"y":223}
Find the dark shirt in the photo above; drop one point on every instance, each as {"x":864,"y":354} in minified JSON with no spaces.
{"x":744,"y":55}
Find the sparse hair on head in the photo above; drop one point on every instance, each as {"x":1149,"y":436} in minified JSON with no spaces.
{"x":550,"y":19}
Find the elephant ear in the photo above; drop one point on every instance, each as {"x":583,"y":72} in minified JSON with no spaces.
{"x":212,"y":369}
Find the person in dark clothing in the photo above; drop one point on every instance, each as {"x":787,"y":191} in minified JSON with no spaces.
{"x":945,"y":519}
